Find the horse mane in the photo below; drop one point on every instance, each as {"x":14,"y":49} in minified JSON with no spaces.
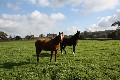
{"x":56,"y":39}
{"x":75,"y":37}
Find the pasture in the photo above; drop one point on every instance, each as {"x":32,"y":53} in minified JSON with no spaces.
{"x":93,"y":60}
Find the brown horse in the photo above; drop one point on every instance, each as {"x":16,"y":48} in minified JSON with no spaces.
{"x":48,"y":45}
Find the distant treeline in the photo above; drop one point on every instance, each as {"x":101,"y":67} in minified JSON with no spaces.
{"x":107,"y":34}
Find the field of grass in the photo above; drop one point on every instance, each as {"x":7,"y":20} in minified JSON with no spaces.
{"x":93,"y":60}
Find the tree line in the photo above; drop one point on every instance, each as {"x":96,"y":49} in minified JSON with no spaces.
{"x":107,"y":34}
{"x":4,"y":37}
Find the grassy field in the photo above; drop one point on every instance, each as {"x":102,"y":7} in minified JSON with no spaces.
{"x":93,"y":60}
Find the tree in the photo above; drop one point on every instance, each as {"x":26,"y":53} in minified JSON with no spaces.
{"x":3,"y":35}
{"x":29,"y":37}
{"x":113,"y":35}
{"x":41,"y":35}
{"x":116,"y":23}
{"x":18,"y":38}
{"x":117,"y":29}
{"x":10,"y":37}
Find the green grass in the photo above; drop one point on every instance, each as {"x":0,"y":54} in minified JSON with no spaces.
{"x":93,"y":60}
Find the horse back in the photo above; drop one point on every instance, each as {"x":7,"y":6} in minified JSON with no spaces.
{"x":46,"y":45}
{"x":68,"y":42}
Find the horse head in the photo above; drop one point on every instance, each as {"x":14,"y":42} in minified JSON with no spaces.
{"x":61,"y":36}
{"x":77,"y":34}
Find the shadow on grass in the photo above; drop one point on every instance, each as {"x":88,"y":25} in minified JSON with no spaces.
{"x":10,"y":65}
{"x":43,"y":55}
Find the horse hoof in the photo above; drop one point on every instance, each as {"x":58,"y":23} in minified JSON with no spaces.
{"x":73,"y":53}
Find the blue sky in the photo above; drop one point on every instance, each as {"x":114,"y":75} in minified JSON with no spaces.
{"x":25,"y":17}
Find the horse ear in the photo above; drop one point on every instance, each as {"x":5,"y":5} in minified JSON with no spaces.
{"x":77,"y":31}
{"x":59,"y":32}
{"x":62,"y":32}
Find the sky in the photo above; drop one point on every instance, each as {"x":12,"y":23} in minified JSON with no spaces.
{"x":35,"y":17}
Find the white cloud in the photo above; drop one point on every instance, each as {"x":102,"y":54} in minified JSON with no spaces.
{"x":50,"y":3}
{"x":35,"y":22}
{"x":72,"y":30}
{"x":104,"y":23}
{"x":57,"y":16}
{"x":90,"y":6}
{"x":40,"y":2}
{"x":33,"y":1}
{"x":84,"y":6}
{"x":43,"y":2}
{"x":75,"y":10}
{"x":76,"y":2}
{"x":59,"y":3}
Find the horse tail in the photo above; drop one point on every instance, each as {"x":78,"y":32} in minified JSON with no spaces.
{"x":37,"y":43}
{"x":38,"y":51}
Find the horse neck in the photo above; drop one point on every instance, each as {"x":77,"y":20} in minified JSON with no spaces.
{"x":55,"y":40}
{"x":74,"y":37}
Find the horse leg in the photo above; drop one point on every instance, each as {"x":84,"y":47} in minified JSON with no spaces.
{"x":61,"y":47}
{"x":73,"y":49}
{"x":37,"y":53}
{"x":55,"y":54}
{"x":51,"y":56}
{"x":64,"y":49}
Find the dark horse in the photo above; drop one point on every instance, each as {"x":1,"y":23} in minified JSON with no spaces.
{"x":69,"y":42}
{"x":48,"y":45}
